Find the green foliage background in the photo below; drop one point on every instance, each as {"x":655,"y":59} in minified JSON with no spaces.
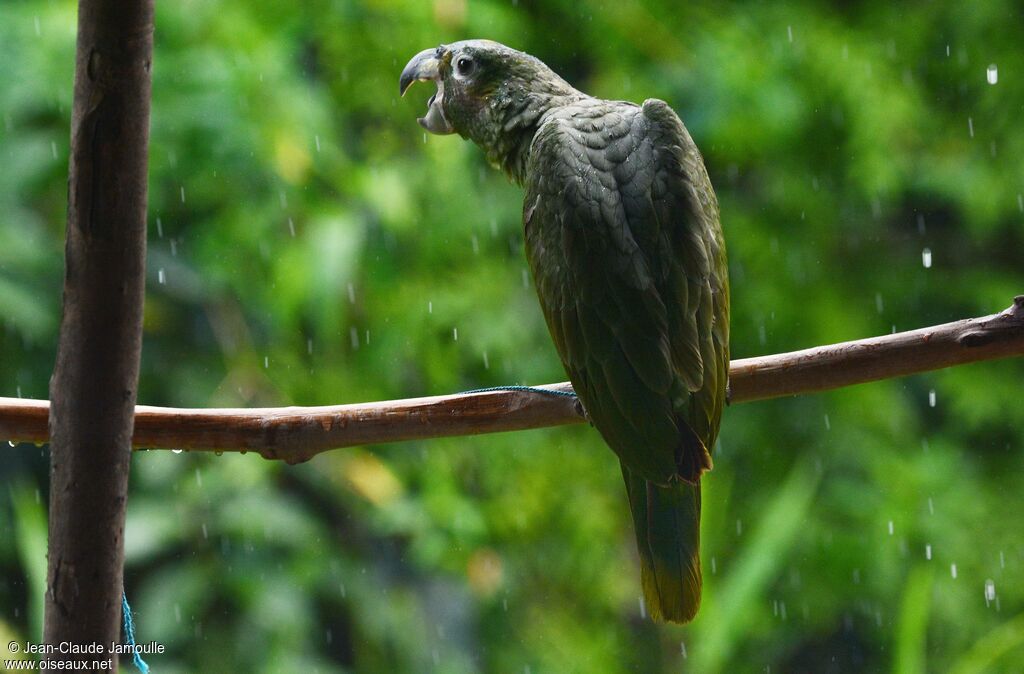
{"x":308,"y":245}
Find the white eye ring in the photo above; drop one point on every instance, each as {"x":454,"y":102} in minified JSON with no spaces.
{"x":464,"y":66}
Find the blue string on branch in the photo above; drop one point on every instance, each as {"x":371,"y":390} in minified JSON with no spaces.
{"x":129,"y":634}
{"x":517,"y":387}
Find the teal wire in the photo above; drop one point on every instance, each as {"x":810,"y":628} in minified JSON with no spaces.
{"x":129,"y":633}
{"x":516,"y":387}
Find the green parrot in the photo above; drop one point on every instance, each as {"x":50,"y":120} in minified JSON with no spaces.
{"x":626,"y":250}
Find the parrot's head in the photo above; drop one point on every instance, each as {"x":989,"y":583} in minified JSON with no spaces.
{"x":489,"y":93}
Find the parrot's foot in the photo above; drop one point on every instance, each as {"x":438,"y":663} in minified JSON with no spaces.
{"x":582,"y":411}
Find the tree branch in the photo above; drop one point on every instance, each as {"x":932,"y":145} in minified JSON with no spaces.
{"x":96,"y":375}
{"x":295,"y":434}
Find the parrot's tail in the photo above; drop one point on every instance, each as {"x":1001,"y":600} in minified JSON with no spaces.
{"x":667,"y":522}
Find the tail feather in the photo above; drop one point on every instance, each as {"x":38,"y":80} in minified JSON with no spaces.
{"x":667,"y":523}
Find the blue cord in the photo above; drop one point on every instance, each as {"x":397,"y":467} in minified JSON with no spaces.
{"x":516,"y":387}
{"x":129,"y":633}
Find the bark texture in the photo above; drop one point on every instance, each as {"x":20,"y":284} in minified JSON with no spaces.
{"x":93,"y":389}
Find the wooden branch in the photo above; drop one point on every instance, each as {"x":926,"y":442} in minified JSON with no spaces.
{"x":97,"y":370}
{"x":295,"y":434}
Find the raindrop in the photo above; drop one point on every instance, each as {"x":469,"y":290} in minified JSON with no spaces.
{"x":11,"y":443}
{"x":947,"y":50}
{"x":643,"y":610}
{"x":316,"y":139}
{"x":18,"y":389}
{"x":928,"y":551}
{"x":353,"y":335}
{"x":1002,"y":560}
{"x":992,"y":74}
{"x":990,"y":591}
{"x":455,"y":334}
{"x":952,"y":570}
{"x":199,"y":478}
{"x":682,"y":649}
{"x":789,"y":33}
{"x":714,"y":565}
{"x":891,"y":527}
{"x":828,"y":424}
{"x":35,"y":20}
{"x":970,"y":126}
{"x":266,"y":362}
{"x":926,"y":258}
{"x":182,"y":194}
{"x":206,"y":534}
{"x":487,"y":363}
{"x":366,"y":338}
{"x":161,"y":277}
{"x":430,"y":307}
{"x":53,"y":148}
{"x":177,"y":612}
{"x":291,"y":227}
{"x":1020,"y":202}
{"x":879,"y":305}
{"x":159,"y":228}
{"x":177,"y":451}
{"x":931,"y":506}
{"x":931,"y":398}
{"x":351,"y":294}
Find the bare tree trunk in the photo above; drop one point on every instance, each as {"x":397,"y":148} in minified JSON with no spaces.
{"x":94,"y":383}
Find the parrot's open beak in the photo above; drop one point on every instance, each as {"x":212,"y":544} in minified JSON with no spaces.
{"x":424,"y":67}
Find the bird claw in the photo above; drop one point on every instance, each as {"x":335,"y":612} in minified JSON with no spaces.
{"x":582,"y":411}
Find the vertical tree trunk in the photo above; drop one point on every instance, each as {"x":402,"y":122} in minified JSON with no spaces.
{"x":94,"y":383}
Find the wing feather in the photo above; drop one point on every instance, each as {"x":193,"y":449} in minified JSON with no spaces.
{"x":626,"y":251}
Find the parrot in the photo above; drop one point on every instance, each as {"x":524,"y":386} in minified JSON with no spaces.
{"x":626,"y":251}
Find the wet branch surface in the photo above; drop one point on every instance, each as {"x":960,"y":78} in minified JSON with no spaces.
{"x":295,"y":434}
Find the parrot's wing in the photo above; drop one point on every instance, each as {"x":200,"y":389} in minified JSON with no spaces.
{"x":623,"y":241}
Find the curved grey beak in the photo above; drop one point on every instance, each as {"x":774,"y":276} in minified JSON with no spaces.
{"x":425,"y":67}
{"x":422,"y":68}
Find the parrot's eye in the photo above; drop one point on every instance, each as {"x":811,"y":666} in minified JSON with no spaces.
{"x":464,"y":66}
